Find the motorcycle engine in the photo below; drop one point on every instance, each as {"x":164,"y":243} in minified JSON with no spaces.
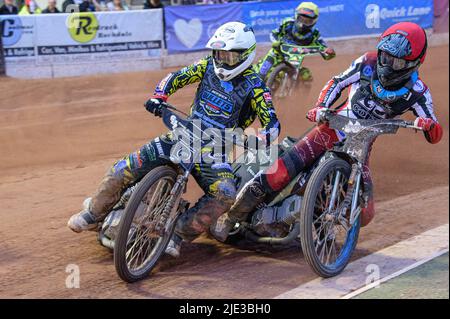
{"x":110,"y":225}
{"x":109,"y":229}
{"x":276,"y":220}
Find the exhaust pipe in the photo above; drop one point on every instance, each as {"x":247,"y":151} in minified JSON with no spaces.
{"x":273,"y":240}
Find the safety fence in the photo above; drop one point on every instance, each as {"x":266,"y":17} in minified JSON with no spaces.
{"x":86,"y":43}
{"x":2,"y":56}
{"x":188,"y":28}
{"x":93,"y":39}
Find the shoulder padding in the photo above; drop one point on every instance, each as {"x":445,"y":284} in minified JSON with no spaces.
{"x":254,"y":78}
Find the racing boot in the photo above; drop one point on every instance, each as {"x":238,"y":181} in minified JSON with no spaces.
{"x":174,"y":246}
{"x":83,"y":220}
{"x":305,"y":74}
{"x":96,"y":208}
{"x":249,"y":198}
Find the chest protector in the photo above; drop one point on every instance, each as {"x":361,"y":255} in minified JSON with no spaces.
{"x":292,"y":34}
{"x":221,"y":104}
{"x":372,"y":101}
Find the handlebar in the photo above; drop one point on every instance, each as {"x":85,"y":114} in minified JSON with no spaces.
{"x":304,"y":50}
{"x":246,"y":142}
{"x":327,"y":114}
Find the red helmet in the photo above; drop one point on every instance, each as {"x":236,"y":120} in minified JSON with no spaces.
{"x":401,"y":49}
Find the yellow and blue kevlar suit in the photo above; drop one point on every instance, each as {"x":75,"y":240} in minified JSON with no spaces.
{"x":286,"y":33}
{"x":232,"y":104}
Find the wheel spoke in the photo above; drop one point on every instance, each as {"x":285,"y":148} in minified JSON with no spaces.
{"x":329,"y":234}
{"x":141,"y":244}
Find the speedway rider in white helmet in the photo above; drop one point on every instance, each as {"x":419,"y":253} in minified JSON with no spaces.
{"x":233,"y":49}
{"x":229,"y":95}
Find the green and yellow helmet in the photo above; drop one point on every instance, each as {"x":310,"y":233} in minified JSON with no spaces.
{"x":306,"y":15}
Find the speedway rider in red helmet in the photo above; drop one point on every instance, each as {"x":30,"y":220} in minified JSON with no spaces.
{"x":382,"y":84}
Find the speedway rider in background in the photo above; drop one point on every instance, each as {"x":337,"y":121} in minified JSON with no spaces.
{"x":298,"y":31}
{"x":382,"y":84}
{"x":230,"y":95}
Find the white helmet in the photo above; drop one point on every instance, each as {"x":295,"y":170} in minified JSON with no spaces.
{"x":233,"y":46}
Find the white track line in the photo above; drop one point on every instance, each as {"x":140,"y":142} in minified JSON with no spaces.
{"x":389,"y":262}
{"x":396,"y":274}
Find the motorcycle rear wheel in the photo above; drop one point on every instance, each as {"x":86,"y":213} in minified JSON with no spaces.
{"x":137,"y":248}
{"x":321,"y":233}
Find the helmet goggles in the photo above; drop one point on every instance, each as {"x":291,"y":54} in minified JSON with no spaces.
{"x":395,"y":63}
{"x":227,"y":58}
{"x":305,"y":20}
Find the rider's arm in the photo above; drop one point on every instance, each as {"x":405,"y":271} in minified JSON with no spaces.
{"x":280,"y":33}
{"x":276,"y":34}
{"x":426,"y":118}
{"x":334,"y":87}
{"x":176,"y":80}
{"x":261,"y":103}
{"x":327,"y":52}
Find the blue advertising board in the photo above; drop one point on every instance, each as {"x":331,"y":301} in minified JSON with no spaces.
{"x":340,"y":18}
{"x":189,"y":27}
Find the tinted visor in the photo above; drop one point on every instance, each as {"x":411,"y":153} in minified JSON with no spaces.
{"x":227,"y":58}
{"x":396,"y":64}
{"x":306,"y":20}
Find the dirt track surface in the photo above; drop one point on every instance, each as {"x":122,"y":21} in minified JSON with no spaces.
{"x":58,"y":137}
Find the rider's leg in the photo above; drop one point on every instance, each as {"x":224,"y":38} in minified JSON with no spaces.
{"x":217,"y":180}
{"x":267,"y":185}
{"x":120,"y":176}
{"x":301,"y":155}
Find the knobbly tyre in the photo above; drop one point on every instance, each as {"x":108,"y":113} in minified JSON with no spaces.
{"x":284,"y":78}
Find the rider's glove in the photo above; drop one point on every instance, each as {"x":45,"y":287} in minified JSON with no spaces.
{"x":432,"y":130}
{"x":155,"y":104}
{"x":314,"y":114}
{"x":328,"y":53}
{"x":426,"y":124}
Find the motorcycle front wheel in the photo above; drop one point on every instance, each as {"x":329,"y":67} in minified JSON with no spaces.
{"x":327,"y":240}
{"x":279,"y":81}
{"x":139,"y":244}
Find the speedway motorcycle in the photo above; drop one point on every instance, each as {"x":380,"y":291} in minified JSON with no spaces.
{"x":320,"y":207}
{"x":284,"y":77}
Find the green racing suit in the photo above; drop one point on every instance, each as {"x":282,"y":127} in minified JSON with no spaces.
{"x":286,"y":34}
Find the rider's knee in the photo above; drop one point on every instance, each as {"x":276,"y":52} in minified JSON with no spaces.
{"x":224,"y":191}
{"x":122,"y":169}
{"x":277,"y":175}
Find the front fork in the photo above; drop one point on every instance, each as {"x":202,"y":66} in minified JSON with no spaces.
{"x":351,"y":197}
{"x":172,"y":208}
{"x":355,"y":208}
